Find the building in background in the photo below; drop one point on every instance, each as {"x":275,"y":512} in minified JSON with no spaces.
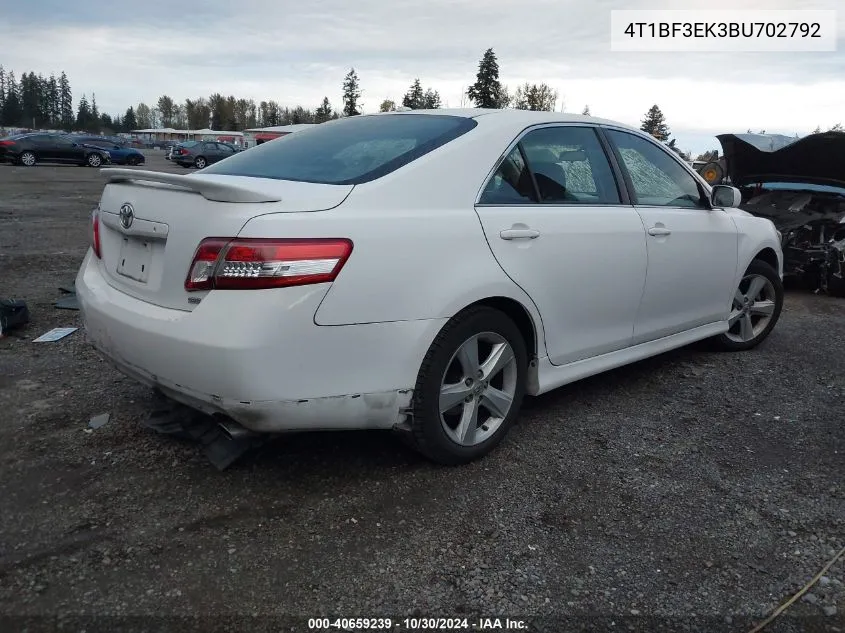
{"x":259,"y":135}
{"x":162,"y":135}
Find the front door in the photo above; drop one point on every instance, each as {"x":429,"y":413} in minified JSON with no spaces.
{"x":554,"y":219}
{"x":692,"y":248}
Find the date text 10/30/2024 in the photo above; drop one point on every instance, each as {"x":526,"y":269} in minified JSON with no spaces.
{"x":416,"y":624}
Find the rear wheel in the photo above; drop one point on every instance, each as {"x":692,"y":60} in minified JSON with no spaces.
{"x":756,"y":308}
{"x":200,"y":162}
{"x":470,"y":387}
{"x":94,"y":160}
{"x":27,"y":159}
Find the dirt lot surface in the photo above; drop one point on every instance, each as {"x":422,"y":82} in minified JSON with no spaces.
{"x":693,"y":491}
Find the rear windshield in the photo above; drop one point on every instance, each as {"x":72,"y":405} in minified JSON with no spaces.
{"x":348,"y":151}
{"x":189,"y":143}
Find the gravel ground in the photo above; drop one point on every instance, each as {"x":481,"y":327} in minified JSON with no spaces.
{"x":691,"y":491}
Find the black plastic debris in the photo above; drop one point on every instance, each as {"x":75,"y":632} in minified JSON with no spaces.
{"x":13,"y":314}
{"x":68,"y":302}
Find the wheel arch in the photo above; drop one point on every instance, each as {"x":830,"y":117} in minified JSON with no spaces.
{"x":521,"y":317}
{"x":769,"y":256}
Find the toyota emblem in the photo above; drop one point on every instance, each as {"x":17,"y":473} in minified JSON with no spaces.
{"x":127,"y":215}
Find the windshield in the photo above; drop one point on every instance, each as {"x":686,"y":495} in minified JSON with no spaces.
{"x":348,"y":151}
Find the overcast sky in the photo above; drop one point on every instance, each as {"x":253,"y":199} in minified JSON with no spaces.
{"x":297,"y":52}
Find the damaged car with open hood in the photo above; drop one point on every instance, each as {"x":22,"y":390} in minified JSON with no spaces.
{"x":799,"y":184}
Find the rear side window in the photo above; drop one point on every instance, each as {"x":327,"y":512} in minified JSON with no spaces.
{"x":348,"y":151}
{"x":567,"y":163}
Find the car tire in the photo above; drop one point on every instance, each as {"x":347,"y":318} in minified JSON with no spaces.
{"x":94,"y":160}
{"x":27,"y":159}
{"x":755,"y":310}
{"x":486,"y":404}
{"x":200,"y":162}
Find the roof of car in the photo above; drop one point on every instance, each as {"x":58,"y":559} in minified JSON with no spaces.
{"x":513,"y":116}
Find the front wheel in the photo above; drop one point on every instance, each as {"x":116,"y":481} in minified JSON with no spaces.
{"x":470,"y":387}
{"x":94,"y":160}
{"x":756,"y":308}
{"x":200,"y":162}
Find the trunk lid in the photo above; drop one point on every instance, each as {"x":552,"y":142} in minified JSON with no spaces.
{"x":149,"y":257}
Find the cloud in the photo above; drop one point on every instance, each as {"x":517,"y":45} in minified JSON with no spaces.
{"x":296,"y":53}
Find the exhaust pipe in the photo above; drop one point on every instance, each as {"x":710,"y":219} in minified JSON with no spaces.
{"x":234,"y":431}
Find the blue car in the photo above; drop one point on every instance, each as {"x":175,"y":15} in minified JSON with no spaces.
{"x":120,"y":153}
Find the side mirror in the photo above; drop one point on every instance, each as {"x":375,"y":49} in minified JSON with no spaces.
{"x":725,"y":197}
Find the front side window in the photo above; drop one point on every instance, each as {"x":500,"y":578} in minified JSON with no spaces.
{"x":658,"y":179}
{"x":348,"y":151}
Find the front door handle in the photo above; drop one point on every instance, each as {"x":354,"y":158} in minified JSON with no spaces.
{"x":519,"y":234}
{"x":659,"y":230}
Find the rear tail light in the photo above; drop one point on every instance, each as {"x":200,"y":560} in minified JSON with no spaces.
{"x":252,"y":264}
{"x":6,"y":143}
{"x":95,"y":233}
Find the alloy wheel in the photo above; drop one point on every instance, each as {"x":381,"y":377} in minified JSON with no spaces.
{"x":753,"y":307}
{"x":28,"y":159}
{"x":478,"y":389}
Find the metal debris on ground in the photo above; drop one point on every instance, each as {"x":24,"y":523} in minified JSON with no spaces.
{"x":55,"y":334}
{"x":70,"y":301}
{"x":98,"y":421}
{"x":185,"y":423}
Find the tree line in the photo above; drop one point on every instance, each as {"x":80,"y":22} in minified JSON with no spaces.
{"x":39,"y":102}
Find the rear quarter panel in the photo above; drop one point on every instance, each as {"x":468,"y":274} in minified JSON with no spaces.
{"x":419,"y":248}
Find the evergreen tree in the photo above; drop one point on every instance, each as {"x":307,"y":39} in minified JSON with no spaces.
{"x":431,"y":100}
{"x":415,"y":97}
{"x":487,"y":91}
{"x":53,"y":102}
{"x":387,"y":105}
{"x":83,"y":114}
{"x":2,"y":92}
{"x":654,"y":123}
{"x":12,"y":111}
{"x":95,"y":122}
{"x":65,"y":103}
{"x":129,"y":121}
{"x":323,"y":112}
{"x":586,"y":111}
{"x":351,"y":93}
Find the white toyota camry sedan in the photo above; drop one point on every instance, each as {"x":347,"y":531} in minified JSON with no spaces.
{"x":419,"y":271}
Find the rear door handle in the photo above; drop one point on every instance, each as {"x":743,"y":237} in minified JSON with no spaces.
{"x":519,"y":234}
{"x":659,"y":230}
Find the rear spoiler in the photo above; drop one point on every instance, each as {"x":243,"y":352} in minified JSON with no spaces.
{"x":210,"y":189}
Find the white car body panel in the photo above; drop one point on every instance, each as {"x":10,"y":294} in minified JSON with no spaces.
{"x":598,"y":290}
{"x":588,"y":303}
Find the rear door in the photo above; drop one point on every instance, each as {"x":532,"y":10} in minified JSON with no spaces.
{"x":65,"y":150}
{"x":692,"y":249}
{"x":560,"y":226}
{"x":224,"y":151}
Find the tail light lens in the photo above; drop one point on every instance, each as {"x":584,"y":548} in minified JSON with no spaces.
{"x":253,"y":264}
{"x":95,"y":233}
{"x":6,"y":143}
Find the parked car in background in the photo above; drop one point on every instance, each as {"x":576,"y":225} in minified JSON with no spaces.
{"x":31,"y":149}
{"x":121,"y":154}
{"x":199,"y":154}
{"x":419,"y":271}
